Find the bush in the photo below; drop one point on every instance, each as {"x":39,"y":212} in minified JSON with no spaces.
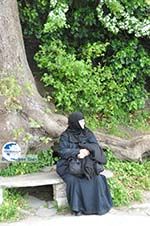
{"x":10,"y":209}
{"x":130,"y":179}
{"x":45,"y":158}
{"x":111,"y":90}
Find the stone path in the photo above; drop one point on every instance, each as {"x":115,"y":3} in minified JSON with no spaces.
{"x":40,"y":208}
{"x":46,"y":209}
{"x":41,"y":212}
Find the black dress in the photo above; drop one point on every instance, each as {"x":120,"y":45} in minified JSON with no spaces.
{"x":84,"y":195}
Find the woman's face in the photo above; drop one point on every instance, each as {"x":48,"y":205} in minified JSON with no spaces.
{"x":82,"y":123}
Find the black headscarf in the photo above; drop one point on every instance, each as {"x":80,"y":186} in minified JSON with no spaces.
{"x":74,"y":127}
{"x":73,"y":120}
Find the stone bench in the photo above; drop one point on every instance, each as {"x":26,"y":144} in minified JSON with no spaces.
{"x":40,"y":179}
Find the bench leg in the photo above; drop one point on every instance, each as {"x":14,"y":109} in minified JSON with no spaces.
{"x":59,"y":191}
{"x":1,"y":195}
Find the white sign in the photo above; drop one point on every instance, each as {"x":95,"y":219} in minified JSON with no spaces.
{"x":11,"y":151}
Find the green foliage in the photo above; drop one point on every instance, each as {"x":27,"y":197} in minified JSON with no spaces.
{"x":92,"y":51}
{"x":140,"y":120}
{"x":130,"y":179}
{"x":119,"y":193}
{"x":71,"y":78}
{"x":110,"y":90}
{"x":127,"y":127}
{"x":131,"y":16}
{"x":88,"y":56}
{"x":9,"y":210}
{"x":45,"y":158}
{"x":56,"y":18}
{"x":33,"y":15}
{"x":129,"y":65}
{"x":34,"y":124}
{"x":10,"y":89}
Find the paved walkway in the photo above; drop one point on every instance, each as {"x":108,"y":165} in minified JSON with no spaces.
{"x":109,"y":219}
{"x":43,"y":213}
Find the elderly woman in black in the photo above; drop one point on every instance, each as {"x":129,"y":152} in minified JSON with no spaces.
{"x":89,"y":192}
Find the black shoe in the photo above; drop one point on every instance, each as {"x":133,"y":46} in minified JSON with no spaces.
{"x":74,"y":213}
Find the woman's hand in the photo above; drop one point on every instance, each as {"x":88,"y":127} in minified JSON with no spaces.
{"x":83,"y":153}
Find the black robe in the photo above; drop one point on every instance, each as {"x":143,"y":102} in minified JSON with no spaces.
{"x":84,"y":195}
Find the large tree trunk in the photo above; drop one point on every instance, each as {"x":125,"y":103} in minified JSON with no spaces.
{"x":28,"y":104}
{"x":134,"y":149}
{"x":24,"y":116}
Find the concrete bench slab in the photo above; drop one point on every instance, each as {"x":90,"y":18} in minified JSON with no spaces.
{"x":31,"y":180}
{"x":36,"y":179}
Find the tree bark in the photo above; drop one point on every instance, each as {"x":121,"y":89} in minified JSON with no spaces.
{"x":134,"y":149}
{"x":15,"y":123}
{"x":13,"y":64}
